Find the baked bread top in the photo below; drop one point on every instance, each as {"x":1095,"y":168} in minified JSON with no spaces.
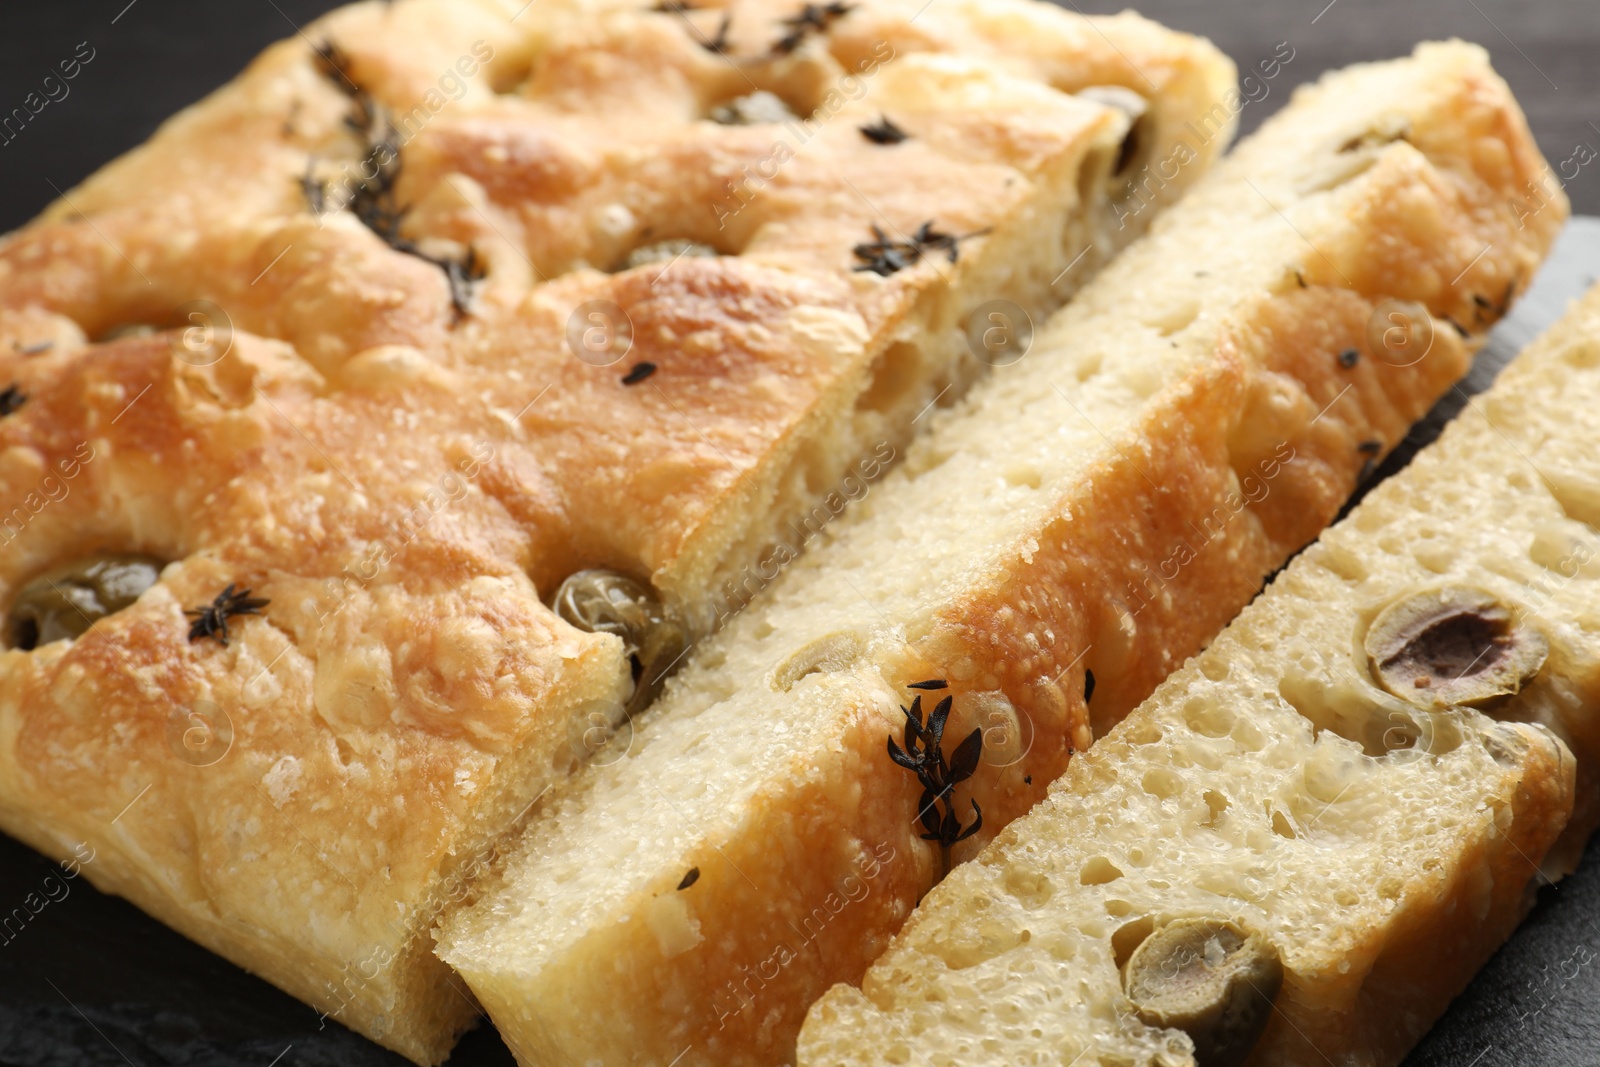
{"x":1085,"y":519}
{"x":386,"y":419}
{"x":580,"y":136}
{"x":1367,"y":768}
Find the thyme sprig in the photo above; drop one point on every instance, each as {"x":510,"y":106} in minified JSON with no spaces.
{"x":372,"y":199}
{"x":211,"y":620}
{"x":923,"y":755}
{"x":1486,"y":312}
{"x":719,"y":43}
{"x":884,"y":131}
{"x":639,"y":372}
{"x":812,"y":18}
{"x":884,"y":256}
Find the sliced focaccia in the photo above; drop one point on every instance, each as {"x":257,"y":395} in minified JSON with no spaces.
{"x":1093,"y":514}
{"x":445,"y":302}
{"x":1362,"y":775}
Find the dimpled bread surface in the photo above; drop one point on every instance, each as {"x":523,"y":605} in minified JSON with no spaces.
{"x":406,"y":442}
{"x":749,"y":841}
{"x":1386,"y":849}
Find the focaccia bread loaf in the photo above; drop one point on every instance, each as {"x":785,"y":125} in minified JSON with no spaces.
{"x":1105,"y":504}
{"x":585,"y":134}
{"x":1364,"y":769}
{"x":418,"y":318}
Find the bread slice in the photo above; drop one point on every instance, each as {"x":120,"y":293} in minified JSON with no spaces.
{"x":259,"y":350}
{"x":1304,"y":780}
{"x":1107,"y":502}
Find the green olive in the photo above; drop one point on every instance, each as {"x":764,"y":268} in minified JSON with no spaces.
{"x":1211,"y":979}
{"x":666,"y":252}
{"x":63,"y":603}
{"x":1456,"y":645}
{"x":602,"y":601}
{"x":753,"y":109}
{"x":1137,"y":108}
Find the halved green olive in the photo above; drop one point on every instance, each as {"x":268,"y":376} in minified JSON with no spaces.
{"x":753,"y":109}
{"x":65,"y":602}
{"x":602,"y":601}
{"x":667,"y":251}
{"x":1211,"y":979}
{"x":1453,"y":645}
{"x":1137,"y":108}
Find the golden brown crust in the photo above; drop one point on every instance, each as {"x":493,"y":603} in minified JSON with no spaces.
{"x":1009,"y":541}
{"x":404,"y":479}
{"x":1387,"y":898}
{"x":1260,"y":451}
{"x":551,"y":178}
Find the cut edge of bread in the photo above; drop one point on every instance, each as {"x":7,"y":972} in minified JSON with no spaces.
{"x":719,"y":911}
{"x":388,"y":983}
{"x":1387,"y":845}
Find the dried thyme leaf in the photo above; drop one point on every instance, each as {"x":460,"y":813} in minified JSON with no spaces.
{"x":211,"y":620}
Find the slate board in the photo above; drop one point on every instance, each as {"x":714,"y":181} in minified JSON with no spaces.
{"x":91,"y":981}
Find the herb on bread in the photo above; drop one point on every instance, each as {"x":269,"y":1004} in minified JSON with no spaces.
{"x":1370,"y":451}
{"x":372,"y":199}
{"x":883,"y":256}
{"x":314,"y":189}
{"x":639,"y":373}
{"x":1088,"y":686}
{"x":1349,"y":358}
{"x":1487,"y":312}
{"x":689,"y":879}
{"x":884,"y":132}
{"x":812,"y":18}
{"x":719,"y":43}
{"x":11,"y":398}
{"x":211,"y":620}
{"x":924,"y":757}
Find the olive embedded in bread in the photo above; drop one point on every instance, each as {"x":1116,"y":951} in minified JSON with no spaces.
{"x":976,"y":564}
{"x":1210,"y":978}
{"x":602,"y":601}
{"x":1137,"y":109}
{"x":1453,"y":645}
{"x":666,"y":252}
{"x":65,"y":602}
{"x":753,"y":109}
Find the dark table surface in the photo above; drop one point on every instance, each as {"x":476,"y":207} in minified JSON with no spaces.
{"x":91,"y":981}
{"x":159,"y":55}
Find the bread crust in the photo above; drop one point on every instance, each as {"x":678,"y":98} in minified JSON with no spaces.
{"x":1383,"y":908}
{"x":407,"y":476}
{"x":1013,"y":621}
